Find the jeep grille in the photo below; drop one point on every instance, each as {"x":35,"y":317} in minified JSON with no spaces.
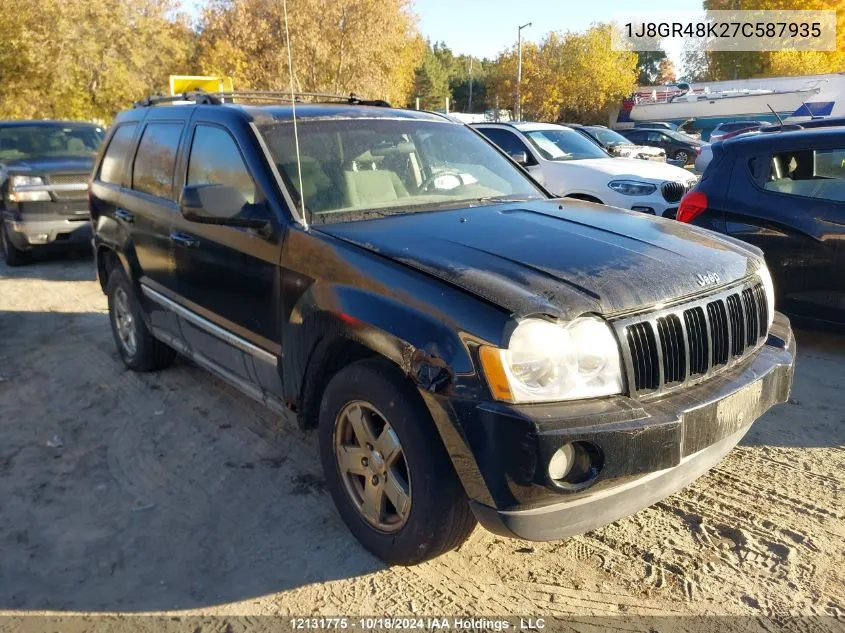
{"x":692,"y":341}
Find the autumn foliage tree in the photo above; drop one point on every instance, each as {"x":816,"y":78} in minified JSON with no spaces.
{"x":568,"y":76}
{"x":370,"y":47}
{"x":730,"y":65}
{"x":666,"y":72}
{"x":79,"y":59}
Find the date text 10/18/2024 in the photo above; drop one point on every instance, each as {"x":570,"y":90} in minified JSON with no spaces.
{"x":419,"y":623}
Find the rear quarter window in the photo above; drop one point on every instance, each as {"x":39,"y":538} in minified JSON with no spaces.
{"x":114,"y":160}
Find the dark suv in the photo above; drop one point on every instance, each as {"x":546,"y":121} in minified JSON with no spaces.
{"x":467,"y":346}
{"x":44,"y":171}
{"x":783,"y":192}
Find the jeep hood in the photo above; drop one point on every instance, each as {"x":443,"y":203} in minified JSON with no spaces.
{"x":558,"y":257}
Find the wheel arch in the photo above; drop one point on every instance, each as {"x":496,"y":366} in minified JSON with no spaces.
{"x":331,"y":327}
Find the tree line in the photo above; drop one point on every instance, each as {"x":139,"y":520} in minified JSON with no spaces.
{"x":89,"y":59}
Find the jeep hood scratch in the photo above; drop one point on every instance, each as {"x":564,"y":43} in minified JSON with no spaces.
{"x":559,"y":257}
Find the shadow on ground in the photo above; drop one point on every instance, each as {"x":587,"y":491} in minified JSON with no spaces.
{"x":54,"y":266}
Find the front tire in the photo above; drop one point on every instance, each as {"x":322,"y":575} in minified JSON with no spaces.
{"x":386,"y":468}
{"x":12,"y":255}
{"x":138,"y":348}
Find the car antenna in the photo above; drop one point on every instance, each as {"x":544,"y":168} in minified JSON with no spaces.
{"x":293,"y":109}
{"x":777,"y":116}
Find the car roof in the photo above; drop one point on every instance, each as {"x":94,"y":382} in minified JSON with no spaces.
{"x":304,"y":111}
{"x":827,"y":121}
{"x":783,"y":138}
{"x":525,"y":126}
{"x":46,"y":123}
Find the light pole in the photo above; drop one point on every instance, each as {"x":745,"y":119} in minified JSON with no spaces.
{"x":469,"y":107}
{"x":519,"y":70}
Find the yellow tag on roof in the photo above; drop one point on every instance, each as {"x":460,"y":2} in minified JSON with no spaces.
{"x":188,"y":83}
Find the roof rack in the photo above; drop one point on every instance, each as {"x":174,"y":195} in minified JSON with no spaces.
{"x":201,"y":97}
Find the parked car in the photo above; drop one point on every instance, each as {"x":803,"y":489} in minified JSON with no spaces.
{"x":684,"y":128}
{"x":677,"y":146}
{"x":44,"y":171}
{"x":784,"y":193}
{"x":571,"y":166}
{"x":617,"y":145}
{"x":466,"y":345}
{"x":734,"y":127}
{"x":706,"y":155}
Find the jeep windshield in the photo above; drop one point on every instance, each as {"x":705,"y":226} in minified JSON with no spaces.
{"x":359,"y":167}
{"x":37,"y":140}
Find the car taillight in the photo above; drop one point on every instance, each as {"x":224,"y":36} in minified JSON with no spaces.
{"x":692,"y":205}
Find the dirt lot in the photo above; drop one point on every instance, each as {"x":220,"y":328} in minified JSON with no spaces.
{"x":171,"y":491}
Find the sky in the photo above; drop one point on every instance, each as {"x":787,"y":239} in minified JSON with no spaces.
{"x":483,"y":28}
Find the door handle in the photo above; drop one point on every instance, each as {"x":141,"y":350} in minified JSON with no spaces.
{"x":184,"y":239}
{"x":126,"y":216}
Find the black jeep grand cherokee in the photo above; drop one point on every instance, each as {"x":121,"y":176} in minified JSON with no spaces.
{"x":467,"y":346}
{"x":44,"y":172}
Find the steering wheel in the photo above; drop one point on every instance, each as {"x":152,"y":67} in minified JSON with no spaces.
{"x":427,"y":185}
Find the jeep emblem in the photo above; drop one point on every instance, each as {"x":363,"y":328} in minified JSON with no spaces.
{"x":707,"y":278}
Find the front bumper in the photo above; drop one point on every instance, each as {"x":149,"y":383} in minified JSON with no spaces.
{"x":649,"y":449}
{"x":69,"y":232}
{"x":654,"y":203}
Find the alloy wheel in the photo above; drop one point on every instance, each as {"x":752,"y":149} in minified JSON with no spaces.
{"x":372,"y":465}
{"x":125,"y":322}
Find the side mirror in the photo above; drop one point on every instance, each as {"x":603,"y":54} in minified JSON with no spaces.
{"x":221,"y":204}
{"x":519,"y":157}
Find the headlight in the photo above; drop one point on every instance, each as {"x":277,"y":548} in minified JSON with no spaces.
{"x":548,"y":361}
{"x":769,"y":288}
{"x":16,"y":183}
{"x":25,"y":181}
{"x":632,"y":187}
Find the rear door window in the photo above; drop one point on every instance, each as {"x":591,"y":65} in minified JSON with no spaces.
{"x":155,"y":159}
{"x":114,"y":160}
{"x":808,"y":173}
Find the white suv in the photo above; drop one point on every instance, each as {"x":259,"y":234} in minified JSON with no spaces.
{"x":569,"y":165}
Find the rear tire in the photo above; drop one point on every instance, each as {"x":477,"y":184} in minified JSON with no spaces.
{"x":12,"y":255}
{"x":432,"y":515}
{"x":138,"y":348}
{"x":683,"y":155}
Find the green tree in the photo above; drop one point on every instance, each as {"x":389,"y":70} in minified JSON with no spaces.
{"x":647,"y":66}
{"x":431,"y":81}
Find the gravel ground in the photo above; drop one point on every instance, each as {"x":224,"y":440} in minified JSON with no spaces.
{"x":166,"y":492}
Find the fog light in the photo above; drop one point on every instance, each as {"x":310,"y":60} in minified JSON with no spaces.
{"x":561,"y":462}
{"x":38,"y":238}
{"x":576,"y":465}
